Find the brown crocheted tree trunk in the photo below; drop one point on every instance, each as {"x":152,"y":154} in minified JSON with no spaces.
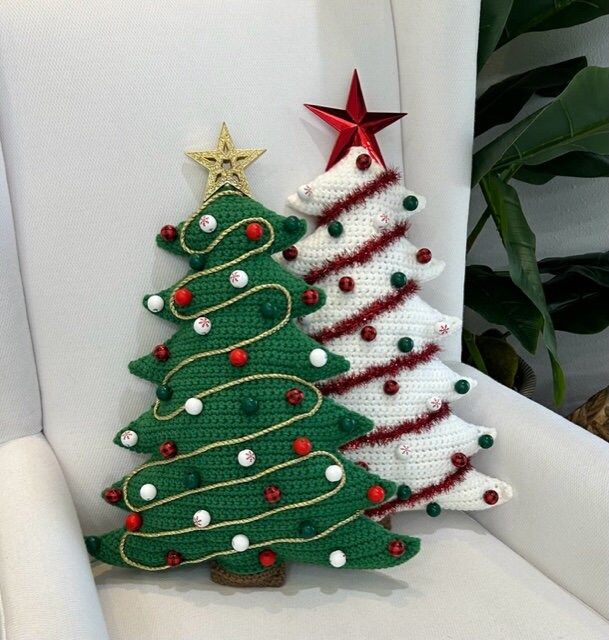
{"x":273,"y":577}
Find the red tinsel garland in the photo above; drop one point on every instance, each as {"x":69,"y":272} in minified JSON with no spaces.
{"x":366,"y":314}
{"x":342,"y":384}
{"x":360,"y":256}
{"x":385,"y":435}
{"x":423,"y":495}
{"x":360,"y":194}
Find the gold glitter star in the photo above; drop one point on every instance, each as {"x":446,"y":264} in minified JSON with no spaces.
{"x":226,"y":165}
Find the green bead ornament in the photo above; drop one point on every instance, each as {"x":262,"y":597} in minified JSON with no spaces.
{"x":249,"y":406}
{"x":347,"y":424}
{"x":405,"y":344}
{"x":93,"y":544}
{"x":292,"y":224}
{"x":268,"y":310}
{"x":410,"y":203}
{"x":307,"y":529}
{"x":398,"y":279}
{"x":197,"y":262}
{"x":404,"y":492}
{"x":192,"y":479}
{"x":462,"y":386}
{"x":163,"y":392}
{"x":486,"y":441}
{"x":433,"y":509}
{"x":335,"y":228}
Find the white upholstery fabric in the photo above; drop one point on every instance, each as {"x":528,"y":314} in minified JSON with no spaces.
{"x":47,"y":591}
{"x":558,"y":518}
{"x":20,"y":404}
{"x":465,"y":584}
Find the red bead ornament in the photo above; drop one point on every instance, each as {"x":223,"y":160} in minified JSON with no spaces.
{"x":423,"y":255}
{"x":183,"y":297}
{"x":267,"y":557}
{"x":112,"y":495}
{"x":272,"y":493}
{"x":310,"y":296}
{"x":391,"y":387}
{"x":238,"y":357}
{"x":254,"y":231}
{"x":291,"y":253}
{"x":294,"y":396}
{"x":133,"y":522}
{"x":346,"y":284}
{"x":168,"y":449}
{"x":459,"y":459}
{"x":368,"y":333}
{"x":161,"y":352}
{"x":302,"y":446}
{"x":363,"y":161}
{"x":491,"y":497}
{"x":169,"y":233}
{"x":173,"y":558}
{"x":376,"y":493}
{"x":396,"y":548}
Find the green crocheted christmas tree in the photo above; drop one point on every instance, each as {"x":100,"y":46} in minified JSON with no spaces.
{"x":244,"y":466}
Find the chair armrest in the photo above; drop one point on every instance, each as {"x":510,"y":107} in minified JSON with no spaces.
{"x":558,"y":518}
{"x":46,"y":586}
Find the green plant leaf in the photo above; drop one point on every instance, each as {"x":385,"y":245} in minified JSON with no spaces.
{"x":502,"y":102}
{"x":578,"y":294}
{"x":493,"y":17}
{"x":542,"y":15}
{"x":577,"y":120}
{"x":499,"y":301}
{"x":577,"y":164}
{"x":519,"y":243}
{"x":472,"y":353}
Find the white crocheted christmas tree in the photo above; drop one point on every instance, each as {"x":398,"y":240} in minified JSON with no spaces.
{"x":375,"y":318}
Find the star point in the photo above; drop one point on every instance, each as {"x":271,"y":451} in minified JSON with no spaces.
{"x":226,"y":164}
{"x":356,"y":125}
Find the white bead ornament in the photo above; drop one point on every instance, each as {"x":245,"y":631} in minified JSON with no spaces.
{"x":202,"y":325}
{"x":246,"y":457}
{"x":239,"y":279}
{"x":338,"y":558}
{"x":334,"y":473}
{"x":201,"y":518}
{"x":318,"y":357}
{"x":434,"y":403}
{"x":155,"y":303}
{"x":193,"y":406}
{"x":148,"y":492}
{"x":128,"y":438}
{"x":240,"y":542}
{"x":382,"y":221}
{"x":304,"y":191}
{"x":442,"y":328}
{"x":208,"y":223}
{"x":402,"y":451}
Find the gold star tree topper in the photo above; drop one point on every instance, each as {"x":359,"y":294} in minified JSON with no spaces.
{"x":226,"y":164}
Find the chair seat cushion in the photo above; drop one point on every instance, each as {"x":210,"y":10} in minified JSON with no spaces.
{"x":464,"y":584}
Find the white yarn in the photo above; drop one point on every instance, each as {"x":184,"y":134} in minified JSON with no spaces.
{"x":425,"y":458}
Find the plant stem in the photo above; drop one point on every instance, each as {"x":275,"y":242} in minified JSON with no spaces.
{"x":469,"y":339}
{"x":473,"y":236}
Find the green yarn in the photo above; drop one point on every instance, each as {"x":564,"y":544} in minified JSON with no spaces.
{"x":244,"y":408}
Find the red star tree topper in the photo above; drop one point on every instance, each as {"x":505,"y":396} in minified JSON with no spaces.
{"x":356,"y":126}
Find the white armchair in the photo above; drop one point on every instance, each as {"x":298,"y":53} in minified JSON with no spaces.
{"x":98,"y":101}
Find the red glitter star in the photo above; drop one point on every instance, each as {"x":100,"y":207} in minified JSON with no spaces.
{"x":355,"y":125}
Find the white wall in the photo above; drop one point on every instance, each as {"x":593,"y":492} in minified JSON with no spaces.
{"x":568,"y":215}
